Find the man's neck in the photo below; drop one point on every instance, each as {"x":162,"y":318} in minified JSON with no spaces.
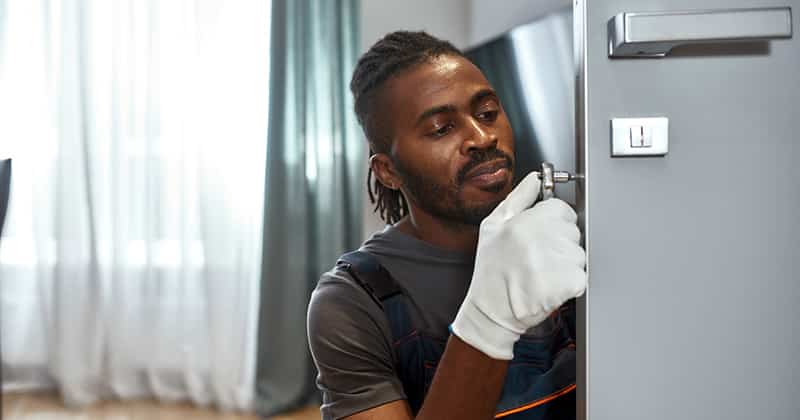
{"x":456,"y":237}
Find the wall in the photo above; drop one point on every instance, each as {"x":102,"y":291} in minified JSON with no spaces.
{"x":447,"y":19}
{"x":464,"y":23}
{"x":489,"y":19}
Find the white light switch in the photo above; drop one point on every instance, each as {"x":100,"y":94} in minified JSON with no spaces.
{"x":639,"y":136}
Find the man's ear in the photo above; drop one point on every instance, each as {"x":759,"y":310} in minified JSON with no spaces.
{"x":383,"y":169}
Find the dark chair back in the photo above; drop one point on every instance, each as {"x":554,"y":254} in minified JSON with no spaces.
{"x":5,"y":189}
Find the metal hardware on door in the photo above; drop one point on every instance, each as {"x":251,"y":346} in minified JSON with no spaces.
{"x":550,"y":177}
{"x":654,"y":34}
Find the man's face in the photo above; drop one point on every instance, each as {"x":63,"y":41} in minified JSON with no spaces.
{"x":452,"y":144}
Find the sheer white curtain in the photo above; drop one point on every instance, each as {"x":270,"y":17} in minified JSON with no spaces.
{"x":130,"y":260}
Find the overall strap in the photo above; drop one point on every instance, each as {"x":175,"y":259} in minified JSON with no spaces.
{"x":370,"y":274}
{"x":379,"y":284}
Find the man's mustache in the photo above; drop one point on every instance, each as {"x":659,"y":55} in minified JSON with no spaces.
{"x":482,"y":156}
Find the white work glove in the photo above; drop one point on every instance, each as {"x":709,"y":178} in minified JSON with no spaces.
{"x":529,"y":262}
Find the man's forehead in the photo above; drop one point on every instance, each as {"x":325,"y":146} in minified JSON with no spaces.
{"x":443,"y":80}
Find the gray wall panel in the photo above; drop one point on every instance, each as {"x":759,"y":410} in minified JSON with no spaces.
{"x":694,"y":257}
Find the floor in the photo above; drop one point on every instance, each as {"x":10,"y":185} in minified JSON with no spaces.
{"x":47,"y":407}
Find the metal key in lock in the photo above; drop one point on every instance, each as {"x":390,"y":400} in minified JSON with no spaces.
{"x":550,"y":177}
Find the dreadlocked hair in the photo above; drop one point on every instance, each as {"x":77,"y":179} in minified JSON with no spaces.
{"x":394,"y":53}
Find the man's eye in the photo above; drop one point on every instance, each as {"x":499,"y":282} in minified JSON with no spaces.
{"x":442,"y":131}
{"x":488,"y":115}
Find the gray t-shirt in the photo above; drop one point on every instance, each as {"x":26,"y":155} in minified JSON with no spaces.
{"x":349,"y":335}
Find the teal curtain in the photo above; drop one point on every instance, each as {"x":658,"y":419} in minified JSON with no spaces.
{"x":315,"y":184}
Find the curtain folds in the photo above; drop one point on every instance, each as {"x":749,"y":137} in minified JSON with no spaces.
{"x":314,"y":185}
{"x":130,"y":263}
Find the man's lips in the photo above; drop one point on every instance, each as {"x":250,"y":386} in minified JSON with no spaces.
{"x":490,"y":167}
{"x":489,"y":174}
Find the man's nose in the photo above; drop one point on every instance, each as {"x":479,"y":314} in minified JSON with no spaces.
{"x":478,"y":137}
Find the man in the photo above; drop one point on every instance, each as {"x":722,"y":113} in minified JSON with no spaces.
{"x":452,"y":311}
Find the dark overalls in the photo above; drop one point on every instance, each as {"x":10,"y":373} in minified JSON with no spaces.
{"x":540,"y":383}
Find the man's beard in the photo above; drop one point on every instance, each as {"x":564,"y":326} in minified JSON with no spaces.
{"x":443,"y":201}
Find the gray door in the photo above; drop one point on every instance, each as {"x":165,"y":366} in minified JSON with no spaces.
{"x":693,"y":308}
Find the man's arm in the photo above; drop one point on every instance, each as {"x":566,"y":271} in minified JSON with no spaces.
{"x":351,"y":342}
{"x":466,"y":386}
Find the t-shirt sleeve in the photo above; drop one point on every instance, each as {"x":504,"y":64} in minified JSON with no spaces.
{"x":350,"y":342}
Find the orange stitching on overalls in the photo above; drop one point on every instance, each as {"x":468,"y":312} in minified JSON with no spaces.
{"x":537,"y":403}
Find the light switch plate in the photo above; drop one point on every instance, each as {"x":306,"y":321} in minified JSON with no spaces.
{"x":657,"y":129}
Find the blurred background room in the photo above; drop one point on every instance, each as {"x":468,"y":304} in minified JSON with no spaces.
{"x":181,"y":172}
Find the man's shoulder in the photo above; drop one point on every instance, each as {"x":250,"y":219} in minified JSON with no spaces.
{"x":338,"y":295}
{"x":335,"y":278}
{"x":339,"y":281}
{"x":337,"y":285}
